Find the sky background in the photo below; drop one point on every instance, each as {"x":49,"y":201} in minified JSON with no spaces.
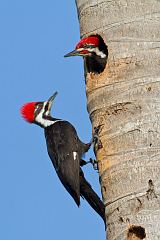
{"x":34,"y":36}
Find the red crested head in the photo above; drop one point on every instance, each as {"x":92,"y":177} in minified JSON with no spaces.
{"x":27,"y":111}
{"x":90,"y":40}
{"x":87,"y":46}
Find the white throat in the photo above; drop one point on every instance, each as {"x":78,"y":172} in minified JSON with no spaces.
{"x":42,"y":121}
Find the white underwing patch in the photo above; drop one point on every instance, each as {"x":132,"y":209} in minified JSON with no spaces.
{"x":74,"y":155}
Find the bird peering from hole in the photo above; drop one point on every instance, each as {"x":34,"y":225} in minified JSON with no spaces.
{"x":95,"y":53}
{"x":65,"y":150}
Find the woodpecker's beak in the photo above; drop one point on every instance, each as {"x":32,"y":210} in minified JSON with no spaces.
{"x":50,"y":101}
{"x":75,"y":52}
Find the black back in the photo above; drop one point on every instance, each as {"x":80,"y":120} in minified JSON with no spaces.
{"x":65,"y":151}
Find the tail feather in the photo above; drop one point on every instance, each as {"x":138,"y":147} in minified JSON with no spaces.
{"x":91,"y":197}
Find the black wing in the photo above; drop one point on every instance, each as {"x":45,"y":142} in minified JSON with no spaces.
{"x":91,"y":196}
{"x":63,"y":148}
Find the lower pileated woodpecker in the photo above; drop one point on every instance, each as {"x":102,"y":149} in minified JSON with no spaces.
{"x":65,"y":150}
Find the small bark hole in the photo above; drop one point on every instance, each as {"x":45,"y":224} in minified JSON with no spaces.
{"x":136,"y":232}
{"x":149,"y":89}
{"x":104,"y":189}
{"x":96,"y":61}
{"x":151,"y":191}
{"x":121,"y":219}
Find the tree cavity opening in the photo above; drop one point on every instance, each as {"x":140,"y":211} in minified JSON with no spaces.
{"x":136,"y":231}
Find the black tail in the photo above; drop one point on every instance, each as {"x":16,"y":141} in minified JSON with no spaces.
{"x":91,"y":197}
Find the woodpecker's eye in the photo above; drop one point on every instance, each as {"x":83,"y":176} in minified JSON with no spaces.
{"x":36,"y":108}
{"x":85,"y":45}
{"x":88,"y":46}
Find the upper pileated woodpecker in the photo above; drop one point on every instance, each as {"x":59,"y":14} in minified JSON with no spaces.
{"x":65,"y":150}
{"x":94,"y":51}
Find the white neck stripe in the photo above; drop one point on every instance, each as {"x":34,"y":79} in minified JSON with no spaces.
{"x":98,"y":52}
{"x":42,"y":121}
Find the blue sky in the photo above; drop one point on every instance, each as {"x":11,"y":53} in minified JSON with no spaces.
{"x":33,"y":204}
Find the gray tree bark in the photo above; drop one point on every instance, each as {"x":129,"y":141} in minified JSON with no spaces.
{"x":126,"y":99}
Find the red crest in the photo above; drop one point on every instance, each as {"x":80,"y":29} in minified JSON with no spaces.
{"x":27,"y":111}
{"x":91,"y":40}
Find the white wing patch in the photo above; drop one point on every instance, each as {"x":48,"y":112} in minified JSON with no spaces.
{"x":74,"y":155}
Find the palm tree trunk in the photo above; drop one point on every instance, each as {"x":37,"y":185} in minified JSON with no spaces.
{"x":126,"y":99}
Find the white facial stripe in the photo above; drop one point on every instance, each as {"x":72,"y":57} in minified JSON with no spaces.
{"x":42,"y":121}
{"x":80,"y":49}
{"x":98,"y":52}
{"x":74,"y":155}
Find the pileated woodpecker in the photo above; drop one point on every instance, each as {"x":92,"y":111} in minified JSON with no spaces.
{"x":94,"y":51}
{"x":65,"y":150}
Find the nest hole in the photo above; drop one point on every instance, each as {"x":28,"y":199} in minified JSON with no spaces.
{"x":136,"y":231}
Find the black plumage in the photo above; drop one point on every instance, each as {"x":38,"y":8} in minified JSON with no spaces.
{"x":65,"y":150}
{"x":62,"y":142}
{"x":91,"y":196}
{"x":94,"y":64}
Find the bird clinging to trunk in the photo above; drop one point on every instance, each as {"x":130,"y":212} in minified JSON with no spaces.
{"x":65,"y":150}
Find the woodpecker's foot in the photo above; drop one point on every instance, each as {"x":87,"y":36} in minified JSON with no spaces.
{"x":97,"y":142}
{"x":94,"y":163}
{"x":83,"y":162}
